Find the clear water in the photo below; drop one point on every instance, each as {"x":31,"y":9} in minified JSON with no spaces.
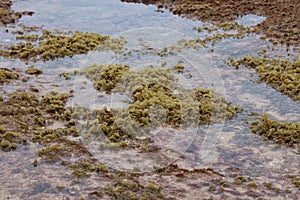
{"x":227,"y":144}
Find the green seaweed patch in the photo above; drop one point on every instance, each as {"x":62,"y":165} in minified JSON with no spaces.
{"x":252,"y":185}
{"x":7,"y":15}
{"x":287,"y":133}
{"x":282,"y":75}
{"x":240,"y":180}
{"x":125,"y":189}
{"x":2,"y":130}
{"x":6,"y":75}
{"x":50,"y":135}
{"x":102,"y":126}
{"x":55,"y":102}
{"x":7,"y":146}
{"x":33,"y":70}
{"x":53,"y":45}
{"x":28,"y":37}
{"x":228,"y":26}
{"x":86,"y":167}
{"x":179,"y":68}
{"x":105,"y":77}
{"x":153,"y":88}
{"x":50,"y":153}
{"x":26,"y":116}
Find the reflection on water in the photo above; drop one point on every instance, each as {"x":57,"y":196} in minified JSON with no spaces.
{"x":228,"y":144}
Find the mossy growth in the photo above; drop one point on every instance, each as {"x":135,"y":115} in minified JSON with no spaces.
{"x":85,"y":167}
{"x":50,"y":153}
{"x":27,"y":118}
{"x":126,"y":189}
{"x":287,"y":133}
{"x":33,"y":71}
{"x":227,"y":26}
{"x":252,"y":185}
{"x":212,"y":188}
{"x":268,"y":185}
{"x":240,"y":180}
{"x":80,"y":173}
{"x":219,"y":32}
{"x":102,"y":126}
{"x":52,"y":45}
{"x":282,"y":75}
{"x":2,"y":130}
{"x":105,"y":77}
{"x":179,"y":68}
{"x":7,"y":15}
{"x":6,"y":75}
{"x":153,"y":89}
{"x":55,"y":102}
{"x":5,"y":145}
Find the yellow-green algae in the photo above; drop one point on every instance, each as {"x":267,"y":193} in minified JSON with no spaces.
{"x":50,"y":152}
{"x":105,"y":77}
{"x":6,"y":75}
{"x":282,"y":75}
{"x":33,"y":71}
{"x":85,"y":167}
{"x":125,"y":189}
{"x":220,"y":31}
{"x":179,"y":68}
{"x":149,"y":88}
{"x":228,"y":26}
{"x":287,"y":133}
{"x":102,"y":123}
{"x":24,"y":117}
{"x":53,"y":45}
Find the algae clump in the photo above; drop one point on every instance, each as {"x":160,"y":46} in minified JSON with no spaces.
{"x":6,"y":76}
{"x":33,"y":70}
{"x":282,"y":75}
{"x":52,"y":45}
{"x":287,"y":133}
{"x":105,"y":77}
{"x":155,"y":98}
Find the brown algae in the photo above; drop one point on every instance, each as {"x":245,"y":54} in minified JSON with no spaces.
{"x":7,"y":15}
{"x":287,"y":133}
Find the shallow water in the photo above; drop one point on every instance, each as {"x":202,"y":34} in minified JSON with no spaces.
{"x":219,"y":146}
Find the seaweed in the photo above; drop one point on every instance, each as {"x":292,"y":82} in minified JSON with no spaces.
{"x":6,"y":75}
{"x":282,"y":75}
{"x":54,"y":45}
{"x":33,"y":70}
{"x":151,"y":88}
{"x":286,"y":133}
